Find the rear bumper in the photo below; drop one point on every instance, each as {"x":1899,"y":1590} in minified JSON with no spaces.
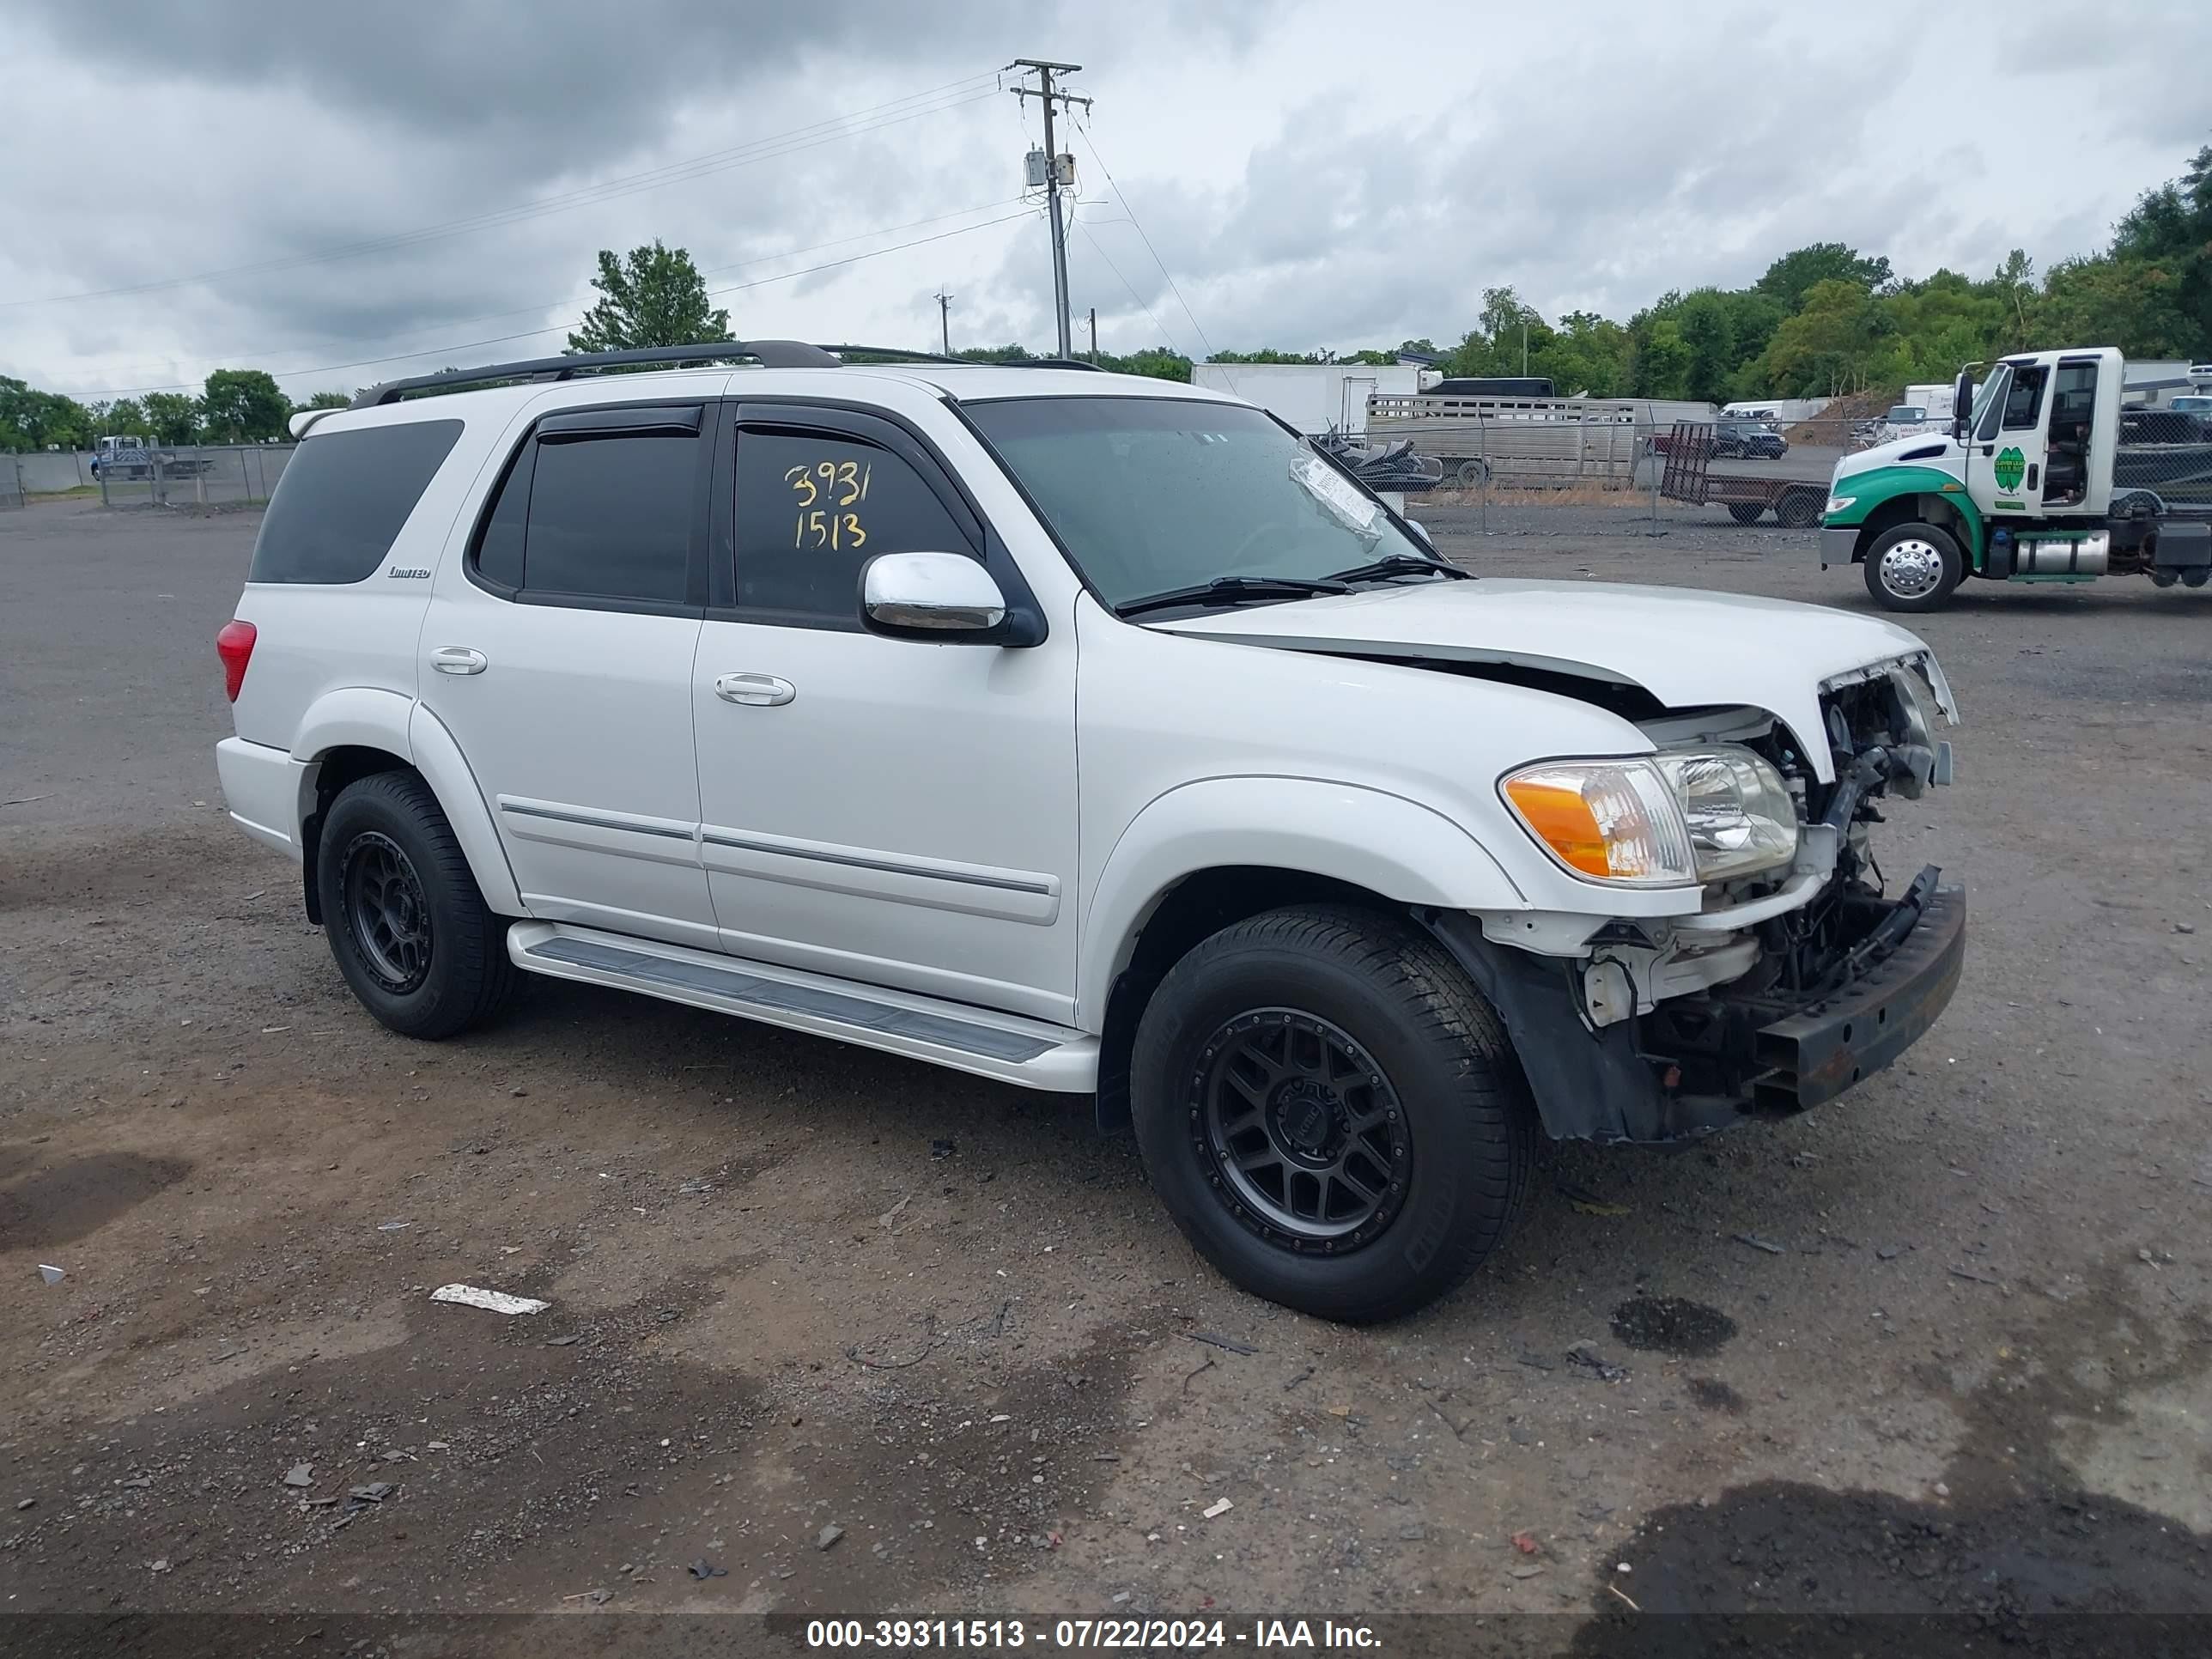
{"x":1697,"y":1066}
{"x":261,"y":786}
{"x":1838,"y":545}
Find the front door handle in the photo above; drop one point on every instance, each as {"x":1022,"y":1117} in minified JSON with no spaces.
{"x":755,"y":690}
{"x":458,"y":660}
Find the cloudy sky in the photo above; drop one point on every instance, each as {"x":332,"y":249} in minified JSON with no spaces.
{"x":344,"y":193}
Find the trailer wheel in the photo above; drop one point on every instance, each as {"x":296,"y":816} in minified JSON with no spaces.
{"x":1472,"y":473}
{"x":1913,"y":567}
{"x":1799,"y":508}
{"x":1745,"y":512}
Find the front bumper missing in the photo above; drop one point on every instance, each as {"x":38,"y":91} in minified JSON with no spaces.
{"x":1712,"y":1061}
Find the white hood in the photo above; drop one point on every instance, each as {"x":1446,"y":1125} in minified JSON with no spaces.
{"x":1686,"y":649}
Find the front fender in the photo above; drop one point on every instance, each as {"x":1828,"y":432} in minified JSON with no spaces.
{"x":1389,"y":845}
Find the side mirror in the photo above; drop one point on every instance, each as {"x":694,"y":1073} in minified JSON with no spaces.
{"x":930,"y":595}
{"x":1962,"y":405}
{"x":1422,"y":531}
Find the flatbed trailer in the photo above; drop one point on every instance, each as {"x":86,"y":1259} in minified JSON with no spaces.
{"x":1688,"y":476}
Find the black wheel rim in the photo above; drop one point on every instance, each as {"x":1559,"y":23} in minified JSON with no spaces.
{"x":387,"y":913}
{"x":1302,"y":1137}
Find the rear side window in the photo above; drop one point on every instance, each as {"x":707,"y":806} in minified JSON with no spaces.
{"x":812,"y":508}
{"x":342,"y":499}
{"x":605,"y":514}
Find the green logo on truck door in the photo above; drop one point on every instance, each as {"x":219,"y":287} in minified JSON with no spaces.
{"x":2011,"y":468}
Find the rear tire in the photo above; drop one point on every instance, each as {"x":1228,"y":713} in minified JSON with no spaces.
{"x":407,"y":924}
{"x":1471,"y":474}
{"x":1745,"y":512}
{"x":1331,"y":1112}
{"x":1800,"y":509}
{"x":1913,"y":567}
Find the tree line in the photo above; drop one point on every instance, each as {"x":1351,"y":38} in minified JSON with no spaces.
{"x":1821,"y":321}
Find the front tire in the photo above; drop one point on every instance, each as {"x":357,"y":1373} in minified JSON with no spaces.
{"x":1913,"y":567}
{"x":407,"y":924}
{"x":1331,"y":1112}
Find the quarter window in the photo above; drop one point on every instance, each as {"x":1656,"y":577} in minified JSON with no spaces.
{"x":812,"y":508}
{"x":343,"y":499}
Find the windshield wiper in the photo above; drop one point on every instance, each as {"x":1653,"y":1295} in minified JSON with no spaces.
{"x":1233,"y":590}
{"x":1400,"y":564}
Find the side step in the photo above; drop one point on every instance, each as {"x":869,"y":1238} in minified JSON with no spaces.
{"x":1029,"y":1052}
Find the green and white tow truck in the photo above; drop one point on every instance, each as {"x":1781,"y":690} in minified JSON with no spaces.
{"x":2043,"y":477}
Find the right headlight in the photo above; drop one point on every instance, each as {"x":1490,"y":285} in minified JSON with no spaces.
{"x":1740,"y":816}
{"x":1677,"y":818}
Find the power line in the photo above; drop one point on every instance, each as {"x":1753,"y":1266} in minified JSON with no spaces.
{"x":1084,"y":130}
{"x":218,"y":358}
{"x":773,"y":147}
{"x":555,"y":328}
{"x":1125,"y":282}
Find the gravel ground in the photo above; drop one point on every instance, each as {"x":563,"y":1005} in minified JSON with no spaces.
{"x":1940,"y":1348}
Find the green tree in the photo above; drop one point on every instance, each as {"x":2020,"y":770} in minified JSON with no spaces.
{"x":1161,"y":363}
{"x":655,"y":297}
{"x":1661,"y":367}
{"x":2169,"y":230}
{"x":1828,"y":348}
{"x":332,"y":400}
{"x":2139,"y":306}
{"x":123,"y":418}
{"x":1795,"y":273}
{"x":243,"y":405}
{"x":1708,"y":331}
{"x":1586,"y":355}
{"x":172,"y":418}
{"x":31,"y":419}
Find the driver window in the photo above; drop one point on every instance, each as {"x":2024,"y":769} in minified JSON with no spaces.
{"x":2024,"y":398}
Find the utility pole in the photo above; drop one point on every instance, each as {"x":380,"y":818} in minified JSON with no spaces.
{"x":1094,"y":334}
{"x":945,"y":318}
{"x":1044,"y":93}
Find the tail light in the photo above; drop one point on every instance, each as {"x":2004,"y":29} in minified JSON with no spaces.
{"x":234,"y":645}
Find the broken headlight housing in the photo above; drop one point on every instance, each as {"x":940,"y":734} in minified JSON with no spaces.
{"x":1712,"y":813}
{"x":1741,"y":816}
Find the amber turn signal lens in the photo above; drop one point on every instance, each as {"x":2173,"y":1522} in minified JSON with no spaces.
{"x":1559,"y":818}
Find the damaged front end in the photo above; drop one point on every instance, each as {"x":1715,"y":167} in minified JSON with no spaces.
{"x":1782,"y":991}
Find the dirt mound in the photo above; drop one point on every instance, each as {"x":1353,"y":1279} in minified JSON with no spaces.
{"x":1839,"y":416}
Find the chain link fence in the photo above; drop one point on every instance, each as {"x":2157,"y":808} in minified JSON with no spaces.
{"x":1596,"y":476}
{"x":1605,"y":470}
{"x":193,"y":475}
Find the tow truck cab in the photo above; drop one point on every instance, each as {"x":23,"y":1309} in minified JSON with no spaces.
{"x":2028,"y":484}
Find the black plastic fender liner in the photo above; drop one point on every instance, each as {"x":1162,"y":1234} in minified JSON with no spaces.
{"x":1588,"y":1084}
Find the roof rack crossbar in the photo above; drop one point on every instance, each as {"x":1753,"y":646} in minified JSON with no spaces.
{"x":900,"y":354}
{"x":769,"y":354}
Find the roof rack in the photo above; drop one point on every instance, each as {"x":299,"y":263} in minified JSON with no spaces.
{"x":900,"y":354}
{"x":769,"y":354}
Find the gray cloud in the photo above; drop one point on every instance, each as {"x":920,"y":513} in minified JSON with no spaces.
{"x":1306,"y":187}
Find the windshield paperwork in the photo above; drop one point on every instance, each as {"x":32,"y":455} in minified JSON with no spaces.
{"x":1163,"y":501}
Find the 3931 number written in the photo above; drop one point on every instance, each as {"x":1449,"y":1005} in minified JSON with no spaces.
{"x":829,"y":494}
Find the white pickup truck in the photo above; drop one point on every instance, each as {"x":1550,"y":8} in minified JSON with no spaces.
{"x":1087,"y":732}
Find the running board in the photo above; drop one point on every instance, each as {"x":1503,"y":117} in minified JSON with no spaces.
{"x":1007,"y":1047}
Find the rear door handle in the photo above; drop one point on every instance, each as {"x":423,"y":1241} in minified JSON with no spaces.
{"x":458,"y":660}
{"x":755,"y":690}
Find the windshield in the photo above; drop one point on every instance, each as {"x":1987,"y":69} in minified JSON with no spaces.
{"x":1989,"y":390}
{"x":1149,"y":495}
{"x":1904,"y":413}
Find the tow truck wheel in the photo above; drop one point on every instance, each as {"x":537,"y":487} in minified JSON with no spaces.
{"x":1745,"y":512}
{"x":1330,"y":1111}
{"x":1913,"y":567}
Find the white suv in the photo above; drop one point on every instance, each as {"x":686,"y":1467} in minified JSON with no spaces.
{"x":1089,"y":733}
